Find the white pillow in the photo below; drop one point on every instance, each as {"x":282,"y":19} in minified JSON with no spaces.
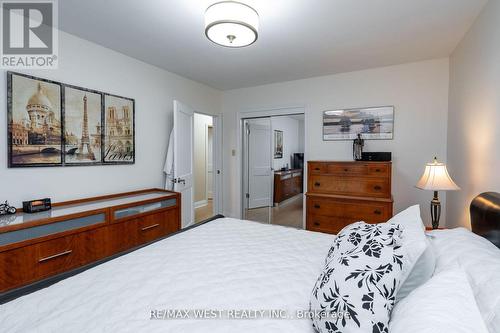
{"x":421,"y":259}
{"x":444,"y":304}
{"x":356,"y":290}
{"x":421,"y":272}
{"x":480,"y":259}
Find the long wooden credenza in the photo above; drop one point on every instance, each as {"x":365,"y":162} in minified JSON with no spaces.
{"x":341,"y":193}
{"x":287,"y":184}
{"x":76,"y":233}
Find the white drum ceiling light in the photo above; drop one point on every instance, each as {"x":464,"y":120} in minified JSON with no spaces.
{"x":231,"y":24}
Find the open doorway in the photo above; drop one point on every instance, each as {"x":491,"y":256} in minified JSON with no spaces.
{"x":193,"y":165}
{"x":273,"y":169}
{"x":203,"y":171}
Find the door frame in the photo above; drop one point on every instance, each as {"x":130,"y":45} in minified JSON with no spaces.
{"x":207,"y":172}
{"x":260,"y":113}
{"x":217,"y":171}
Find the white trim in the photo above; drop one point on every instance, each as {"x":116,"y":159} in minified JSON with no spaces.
{"x":277,"y":111}
{"x":217,"y":150}
{"x":201,"y":203}
{"x":206,"y":159}
{"x":209,"y":193}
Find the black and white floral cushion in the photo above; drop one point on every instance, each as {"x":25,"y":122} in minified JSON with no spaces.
{"x":357,"y":288}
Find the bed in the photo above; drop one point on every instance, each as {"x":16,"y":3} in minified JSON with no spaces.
{"x":237,"y":267}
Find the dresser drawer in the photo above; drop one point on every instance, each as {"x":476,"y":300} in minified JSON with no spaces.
{"x":359,"y":169}
{"x":354,"y":186}
{"x":317,"y":167}
{"x":350,"y":210}
{"x":57,"y":255}
{"x":138,"y":231}
{"x":151,"y":227}
{"x":326,"y":224}
{"x":17,"y":267}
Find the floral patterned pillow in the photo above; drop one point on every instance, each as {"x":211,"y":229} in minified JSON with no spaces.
{"x":357,"y":288}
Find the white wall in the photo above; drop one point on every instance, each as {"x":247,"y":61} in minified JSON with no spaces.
{"x":474,"y":116}
{"x":88,"y":65}
{"x":302,"y":136}
{"x":201,"y":123}
{"x":419,"y":92}
{"x":291,"y":139}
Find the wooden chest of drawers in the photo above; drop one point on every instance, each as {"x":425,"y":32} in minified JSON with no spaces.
{"x":341,"y":193}
{"x":37,"y":246}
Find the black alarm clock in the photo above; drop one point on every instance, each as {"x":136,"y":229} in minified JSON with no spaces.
{"x":34,"y":206}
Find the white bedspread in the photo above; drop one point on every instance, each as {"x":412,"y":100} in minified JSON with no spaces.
{"x":225,"y":264}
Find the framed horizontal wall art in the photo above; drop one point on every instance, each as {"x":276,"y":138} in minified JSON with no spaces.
{"x":56,"y":124}
{"x":374,"y":123}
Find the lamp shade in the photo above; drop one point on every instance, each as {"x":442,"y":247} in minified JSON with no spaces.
{"x":231,"y":24}
{"x":436,"y":178}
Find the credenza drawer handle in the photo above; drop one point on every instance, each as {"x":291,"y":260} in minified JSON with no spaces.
{"x":377,"y":170}
{"x":317,"y":184}
{"x":55,"y":256}
{"x":150,"y":227}
{"x":377,"y":212}
{"x":377,"y":187}
{"x":346,"y":170}
{"x":317,"y":169}
{"x":317,"y":206}
{"x":316,"y":224}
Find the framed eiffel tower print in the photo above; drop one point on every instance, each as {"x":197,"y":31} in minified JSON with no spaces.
{"x":82,"y":126}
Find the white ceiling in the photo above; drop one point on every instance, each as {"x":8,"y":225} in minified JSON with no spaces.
{"x":297,"y":38}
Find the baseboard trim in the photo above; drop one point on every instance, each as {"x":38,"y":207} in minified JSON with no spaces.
{"x":201,"y":203}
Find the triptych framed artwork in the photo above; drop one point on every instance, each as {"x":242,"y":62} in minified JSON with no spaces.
{"x":57,"y":124}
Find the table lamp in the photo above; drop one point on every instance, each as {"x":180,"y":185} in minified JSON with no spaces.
{"x":436,"y":178}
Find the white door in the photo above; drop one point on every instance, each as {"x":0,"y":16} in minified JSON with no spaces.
{"x":183,"y":160}
{"x":259,"y":164}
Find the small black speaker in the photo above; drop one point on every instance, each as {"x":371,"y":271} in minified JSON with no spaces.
{"x":377,"y":156}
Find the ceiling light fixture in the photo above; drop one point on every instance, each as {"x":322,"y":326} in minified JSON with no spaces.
{"x":231,"y":24}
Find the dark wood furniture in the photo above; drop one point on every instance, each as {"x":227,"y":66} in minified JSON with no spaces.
{"x":485,"y":216}
{"x":36,"y":246}
{"x":341,"y":193}
{"x":287,"y":184}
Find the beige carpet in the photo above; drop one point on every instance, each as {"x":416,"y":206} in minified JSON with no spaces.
{"x":288,"y":213}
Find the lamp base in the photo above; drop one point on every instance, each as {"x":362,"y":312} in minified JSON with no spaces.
{"x":435,"y":211}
